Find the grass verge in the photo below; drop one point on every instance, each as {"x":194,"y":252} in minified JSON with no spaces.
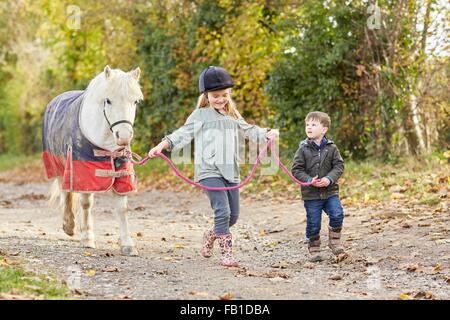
{"x":15,"y":283}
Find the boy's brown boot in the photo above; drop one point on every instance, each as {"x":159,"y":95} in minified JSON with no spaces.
{"x":334,"y":241}
{"x":208,"y":243}
{"x":226,"y":248}
{"x":314,"y":249}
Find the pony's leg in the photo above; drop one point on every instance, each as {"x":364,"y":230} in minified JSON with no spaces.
{"x":86,"y":225}
{"x":70,"y":206}
{"x":127,"y":246}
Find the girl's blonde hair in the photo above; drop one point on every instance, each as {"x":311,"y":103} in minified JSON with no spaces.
{"x":230,"y":106}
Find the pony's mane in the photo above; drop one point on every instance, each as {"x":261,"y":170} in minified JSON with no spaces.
{"x":119,"y":83}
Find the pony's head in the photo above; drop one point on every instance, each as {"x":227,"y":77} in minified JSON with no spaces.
{"x":118,"y":93}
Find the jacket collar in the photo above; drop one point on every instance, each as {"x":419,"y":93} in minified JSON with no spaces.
{"x":310,"y":143}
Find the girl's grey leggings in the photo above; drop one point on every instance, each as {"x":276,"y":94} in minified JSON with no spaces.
{"x":224,"y":203}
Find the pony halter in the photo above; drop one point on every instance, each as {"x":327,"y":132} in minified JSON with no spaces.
{"x":111,"y":126}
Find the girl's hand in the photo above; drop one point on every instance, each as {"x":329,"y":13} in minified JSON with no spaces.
{"x":272,"y":134}
{"x":158,"y":149}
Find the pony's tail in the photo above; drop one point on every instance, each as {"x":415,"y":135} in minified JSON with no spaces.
{"x":55,"y":199}
{"x":69,"y":202}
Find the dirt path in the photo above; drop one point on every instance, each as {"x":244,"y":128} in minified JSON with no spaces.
{"x":392,"y":251}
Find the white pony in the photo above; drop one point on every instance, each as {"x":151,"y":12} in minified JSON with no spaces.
{"x":103,"y":125}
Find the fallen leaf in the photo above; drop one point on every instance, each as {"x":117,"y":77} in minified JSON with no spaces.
{"x":77,"y":292}
{"x":341,"y":257}
{"x":91,"y":272}
{"x":200,"y":294}
{"x":404,"y":296}
{"x":276,"y":230}
{"x":163,"y":272}
{"x":412,"y":267}
{"x":10,"y":262}
{"x":398,"y":189}
{"x":139,"y":234}
{"x":447,"y":279}
{"x":424,"y":295}
{"x":111,"y":269}
{"x":360,"y":69}
{"x":376,"y":229}
{"x":352,"y":238}
{"x":424,"y":225}
{"x":336,"y":277}
{"x":226,"y":296}
{"x":397,"y":195}
{"x":6,"y":203}
{"x":280,"y":264}
{"x":179,"y":246}
{"x":270,"y":274}
{"x":6,"y":296}
{"x":272,"y":244}
{"x":309,"y":265}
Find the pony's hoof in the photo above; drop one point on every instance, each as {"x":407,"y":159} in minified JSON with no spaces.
{"x":129,"y":251}
{"x":88,"y":244}
{"x":69,"y":229}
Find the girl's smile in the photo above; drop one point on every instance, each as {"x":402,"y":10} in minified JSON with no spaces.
{"x":218,"y":99}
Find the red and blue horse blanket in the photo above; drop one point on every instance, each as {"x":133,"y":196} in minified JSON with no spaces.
{"x":67,"y":153}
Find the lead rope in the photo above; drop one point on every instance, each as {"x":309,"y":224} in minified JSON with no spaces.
{"x":177,"y":172}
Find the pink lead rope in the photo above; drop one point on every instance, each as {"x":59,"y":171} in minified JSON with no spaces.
{"x":243,"y":183}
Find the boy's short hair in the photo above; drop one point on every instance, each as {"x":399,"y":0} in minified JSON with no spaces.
{"x":322,"y":117}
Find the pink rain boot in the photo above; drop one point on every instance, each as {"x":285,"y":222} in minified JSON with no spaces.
{"x":208,"y":243}
{"x":226,"y":248}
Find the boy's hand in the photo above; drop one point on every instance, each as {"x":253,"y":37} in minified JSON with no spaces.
{"x":315,"y":181}
{"x":322,"y":183}
{"x":272,"y":134}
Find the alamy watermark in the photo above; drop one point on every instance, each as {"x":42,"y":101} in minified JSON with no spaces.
{"x":374,"y":20}
{"x":73,"y":17}
{"x":224,"y":148}
{"x":74,"y":277}
{"x":374,"y":278}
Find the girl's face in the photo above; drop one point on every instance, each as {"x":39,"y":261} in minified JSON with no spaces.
{"x":314,"y":129}
{"x":218,"y":99}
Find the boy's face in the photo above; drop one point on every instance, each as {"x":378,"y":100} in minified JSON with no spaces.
{"x":218,"y":99}
{"x":314,"y":129}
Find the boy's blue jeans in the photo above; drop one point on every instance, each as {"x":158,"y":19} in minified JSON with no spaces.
{"x":332,"y":207}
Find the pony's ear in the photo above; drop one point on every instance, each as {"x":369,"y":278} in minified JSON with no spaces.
{"x":136,"y":73}
{"x":107,"y":71}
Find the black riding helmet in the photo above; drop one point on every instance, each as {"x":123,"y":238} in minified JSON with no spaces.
{"x":214,"y":78}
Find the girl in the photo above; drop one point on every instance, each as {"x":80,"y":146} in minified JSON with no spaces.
{"x":214,"y":126}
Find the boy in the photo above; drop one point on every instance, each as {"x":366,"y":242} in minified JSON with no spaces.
{"x":318,"y":158}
